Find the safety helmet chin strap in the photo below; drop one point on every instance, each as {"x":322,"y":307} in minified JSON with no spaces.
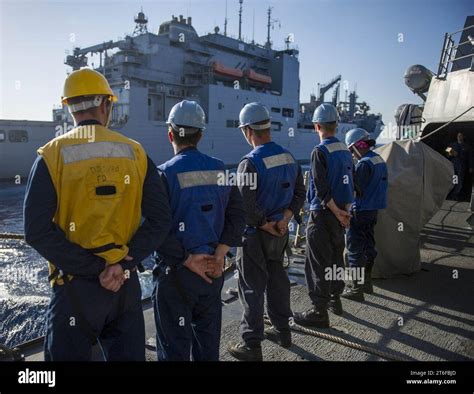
{"x":93,"y":103}
{"x":260,"y":126}
{"x":85,"y":105}
{"x":109,"y":115}
{"x":353,"y":147}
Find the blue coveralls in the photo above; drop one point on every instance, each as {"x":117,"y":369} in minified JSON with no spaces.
{"x":205,"y":212}
{"x":85,"y":311}
{"x":260,"y":264}
{"x":371,"y":182}
{"x":331,"y":177}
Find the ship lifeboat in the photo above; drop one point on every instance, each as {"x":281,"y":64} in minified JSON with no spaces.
{"x":255,"y":76}
{"x":219,"y":68}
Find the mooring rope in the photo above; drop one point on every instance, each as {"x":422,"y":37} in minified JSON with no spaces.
{"x":344,"y":342}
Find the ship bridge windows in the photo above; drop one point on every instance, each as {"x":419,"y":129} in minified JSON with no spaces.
{"x":156,"y":106}
{"x":3,"y":136}
{"x":18,"y":136}
{"x":234,"y":124}
{"x":276,"y":126}
{"x":276,"y":110}
{"x":288,"y":113}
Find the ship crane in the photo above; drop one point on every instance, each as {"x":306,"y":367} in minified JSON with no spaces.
{"x":322,"y":89}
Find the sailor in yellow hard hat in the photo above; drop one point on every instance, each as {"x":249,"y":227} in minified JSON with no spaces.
{"x":94,"y":208}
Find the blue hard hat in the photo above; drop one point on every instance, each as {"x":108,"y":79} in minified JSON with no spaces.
{"x":355,"y":135}
{"x":253,"y":113}
{"x":187,"y":114}
{"x":325,"y":113}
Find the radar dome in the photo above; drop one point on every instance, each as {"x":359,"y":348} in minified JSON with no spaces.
{"x":418,"y":78}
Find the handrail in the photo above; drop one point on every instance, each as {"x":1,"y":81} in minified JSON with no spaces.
{"x":449,"y":51}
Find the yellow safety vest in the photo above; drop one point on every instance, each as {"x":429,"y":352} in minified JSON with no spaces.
{"x":98,"y":175}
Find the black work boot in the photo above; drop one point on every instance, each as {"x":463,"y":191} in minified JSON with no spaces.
{"x":368,"y":288}
{"x":243,"y":352}
{"x":314,"y":317}
{"x":335,"y":305}
{"x":355,"y":292}
{"x":283,"y":338}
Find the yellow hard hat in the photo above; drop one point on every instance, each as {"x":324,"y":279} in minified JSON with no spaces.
{"x":86,"y":82}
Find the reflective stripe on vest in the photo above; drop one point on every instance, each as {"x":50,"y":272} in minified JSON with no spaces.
{"x":278,"y":160}
{"x":277,"y":171}
{"x":198,"y":178}
{"x":97,"y":150}
{"x":335,"y":146}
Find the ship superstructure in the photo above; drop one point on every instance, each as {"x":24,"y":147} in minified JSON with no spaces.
{"x":447,"y":94}
{"x":152,"y":72}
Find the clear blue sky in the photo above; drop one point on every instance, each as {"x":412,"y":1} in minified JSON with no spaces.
{"x":358,"y":39}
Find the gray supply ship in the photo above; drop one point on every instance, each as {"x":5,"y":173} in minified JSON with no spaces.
{"x":151,"y":72}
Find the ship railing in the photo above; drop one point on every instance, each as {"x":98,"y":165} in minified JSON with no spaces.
{"x":450,"y":50}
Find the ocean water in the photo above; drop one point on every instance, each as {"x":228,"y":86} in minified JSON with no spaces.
{"x":24,"y":287}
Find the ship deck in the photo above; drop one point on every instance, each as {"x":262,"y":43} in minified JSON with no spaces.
{"x":427,"y":316}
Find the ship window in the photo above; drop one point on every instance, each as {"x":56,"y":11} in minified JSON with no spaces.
{"x":18,"y":136}
{"x":2,"y":136}
{"x":230,"y":123}
{"x":288,"y":112}
{"x":276,"y":110}
{"x":276,"y":126}
{"x":220,"y":105}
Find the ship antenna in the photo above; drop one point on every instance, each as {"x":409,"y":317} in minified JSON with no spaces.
{"x":225,"y":20}
{"x":253,"y":27}
{"x":270,"y":25}
{"x":240,"y":20}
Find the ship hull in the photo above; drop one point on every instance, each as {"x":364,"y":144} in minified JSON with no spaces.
{"x":16,"y":158}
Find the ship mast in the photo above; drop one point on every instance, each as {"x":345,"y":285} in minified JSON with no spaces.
{"x":141,"y":24}
{"x":240,"y":20}
{"x":270,"y":23}
{"x":225,"y":20}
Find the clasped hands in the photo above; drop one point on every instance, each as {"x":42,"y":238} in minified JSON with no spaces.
{"x":278,"y":228}
{"x":208,"y":267}
{"x":113,"y":276}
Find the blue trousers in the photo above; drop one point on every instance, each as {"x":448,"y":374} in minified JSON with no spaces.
{"x":360,"y":238}
{"x":188,"y":315}
{"x":116,"y":319}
